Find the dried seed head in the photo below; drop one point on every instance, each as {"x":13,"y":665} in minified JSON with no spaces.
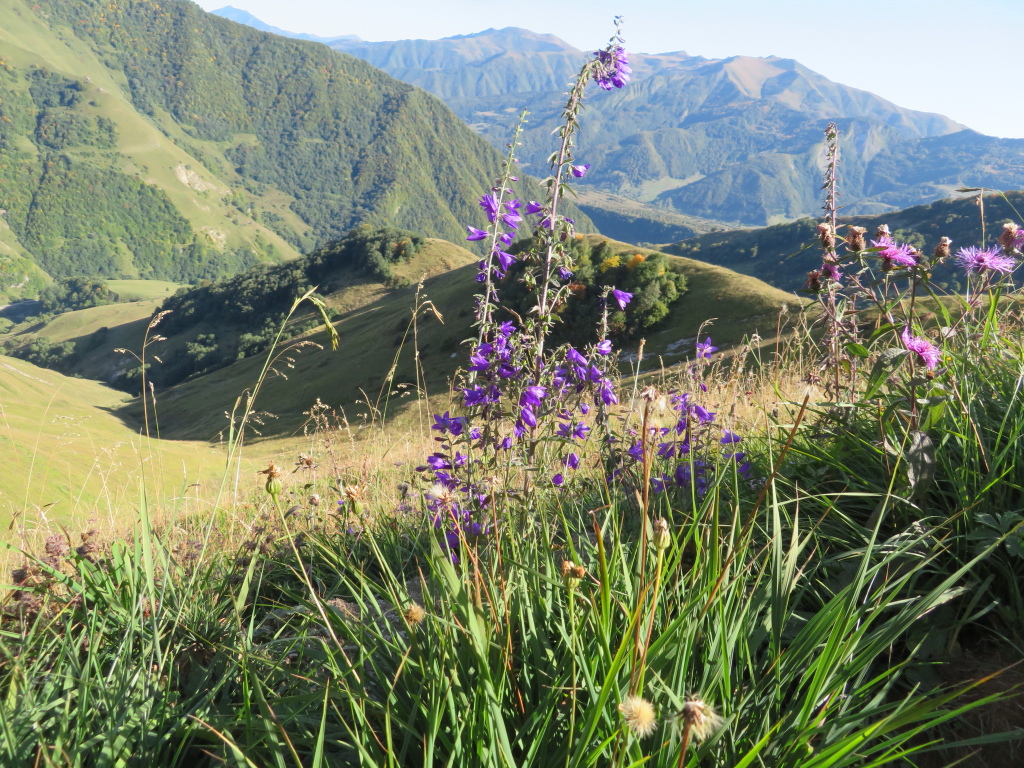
{"x":813,"y":282}
{"x":649,"y":394}
{"x":305,"y":462}
{"x":314,"y":500}
{"x":57,"y":546}
{"x":942,"y":249}
{"x":415,"y":614}
{"x":826,"y":236}
{"x":882,"y":232}
{"x":272,"y":471}
{"x":639,"y":716}
{"x":1008,"y":238}
{"x":661,"y":537}
{"x":855,"y":238}
{"x":700,"y":718}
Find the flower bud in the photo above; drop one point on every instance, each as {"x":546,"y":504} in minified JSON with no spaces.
{"x":855,"y":238}
{"x":572,"y":574}
{"x":661,"y":538}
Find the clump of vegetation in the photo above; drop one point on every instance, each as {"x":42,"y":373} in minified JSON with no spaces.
{"x":570,"y":577}
{"x":71,"y":293}
{"x":650,"y":279}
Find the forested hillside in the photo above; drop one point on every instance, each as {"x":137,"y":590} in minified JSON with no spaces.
{"x":151,"y":139}
{"x":783,"y":254}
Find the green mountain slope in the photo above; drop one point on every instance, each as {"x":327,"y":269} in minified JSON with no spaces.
{"x":783,"y":254}
{"x":153,"y":140}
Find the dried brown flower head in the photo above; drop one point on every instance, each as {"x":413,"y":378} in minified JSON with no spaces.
{"x":942,"y":249}
{"x":882,"y":232}
{"x":272,"y":471}
{"x":572,"y":573}
{"x":415,"y":614}
{"x":305,"y":462}
{"x":700,"y":718}
{"x":639,"y":715}
{"x":826,"y":236}
{"x":855,"y":238}
{"x":1008,"y":237}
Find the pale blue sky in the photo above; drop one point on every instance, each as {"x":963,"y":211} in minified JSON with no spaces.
{"x":961,"y":58}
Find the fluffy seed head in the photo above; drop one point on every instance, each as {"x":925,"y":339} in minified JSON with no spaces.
{"x":639,"y":716}
{"x":701,"y":718}
{"x":415,"y":614}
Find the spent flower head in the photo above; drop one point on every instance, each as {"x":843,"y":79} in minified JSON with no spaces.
{"x":700,"y":718}
{"x":638,"y":714}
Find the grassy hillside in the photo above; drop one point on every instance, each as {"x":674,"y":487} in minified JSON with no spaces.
{"x":375,"y":369}
{"x":68,"y":457}
{"x":140,"y":140}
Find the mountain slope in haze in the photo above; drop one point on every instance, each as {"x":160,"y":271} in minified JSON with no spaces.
{"x":244,"y":17}
{"x":783,"y":254}
{"x":737,"y":139}
{"x":145,"y":139}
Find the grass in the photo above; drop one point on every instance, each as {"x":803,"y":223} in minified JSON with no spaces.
{"x":68,"y":458}
{"x":140,"y":290}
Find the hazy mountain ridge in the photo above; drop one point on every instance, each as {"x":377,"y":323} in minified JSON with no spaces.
{"x":729,"y":139}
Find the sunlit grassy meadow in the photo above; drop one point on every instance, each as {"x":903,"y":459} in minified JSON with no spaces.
{"x":770,"y":534}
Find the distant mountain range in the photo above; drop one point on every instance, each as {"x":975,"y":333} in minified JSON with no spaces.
{"x":737,"y":139}
{"x":158,"y":141}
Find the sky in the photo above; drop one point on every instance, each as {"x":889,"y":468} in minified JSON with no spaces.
{"x":961,"y":58}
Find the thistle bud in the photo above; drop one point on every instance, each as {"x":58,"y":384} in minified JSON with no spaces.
{"x":1008,"y":238}
{"x":661,"y":536}
{"x":855,"y":238}
{"x":572,"y":574}
{"x":826,"y":236}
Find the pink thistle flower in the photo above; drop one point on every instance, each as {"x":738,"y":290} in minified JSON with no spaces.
{"x":926,"y":352}
{"x":895,"y":254}
{"x":977,"y":261}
